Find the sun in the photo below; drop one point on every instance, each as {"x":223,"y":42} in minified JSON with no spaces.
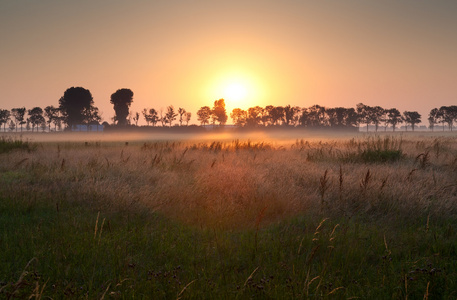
{"x":235,"y":92}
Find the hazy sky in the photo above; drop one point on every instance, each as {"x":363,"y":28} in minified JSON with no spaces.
{"x":392,"y":53}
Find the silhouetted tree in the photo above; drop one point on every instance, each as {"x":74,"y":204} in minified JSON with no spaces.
{"x":204,"y":114}
{"x":171,"y":115}
{"x":36,"y":117}
{"x":187,"y":117}
{"x":254,"y":116}
{"x":18,"y":114}
{"x":314,"y":116}
{"x":181,"y":112}
{"x":238,"y":116}
{"x":218,"y":111}
{"x":72,"y":104}
{"x":136,"y":118}
{"x":121,"y":99}
{"x":151,"y":116}
{"x":91,"y":116}
{"x":448,"y":115}
{"x":376,"y":115}
{"x":277,"y":115}
{"x":289,"y":114}
{"x":266,"y":115}
{"x":394,"y":117}
{"x":364,"y":112}
{"x":52,"y":114}
{"x":411,"y":117}
{"x":12,"y":125}
{"x":433,"y":118}
{"x":4,"y":117}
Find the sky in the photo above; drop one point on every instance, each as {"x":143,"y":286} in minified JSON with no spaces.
{"x":391,"y":53}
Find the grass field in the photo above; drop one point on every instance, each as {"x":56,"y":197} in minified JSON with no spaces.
{"x":353,"y":217}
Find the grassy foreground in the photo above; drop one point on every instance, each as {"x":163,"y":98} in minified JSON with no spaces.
{"x":160,"y":220}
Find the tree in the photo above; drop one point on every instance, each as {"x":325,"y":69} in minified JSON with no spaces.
{"x":151,"y":116}
{"x":254,"y":116}
{"x":12,"y":125}
{"x":121,"y":99}
{"x":187,"y":117}
{"x":376,"y":115}
{"x":36,"y":117}
{"x":204,"y":114}
{"x":411,"y":117}
{"x":289,"y":114}
{"x":238,"y":116}
{"x":91,"y":116}
{"x":365,"y":115}
{"x":277,"y":115}
{"x":448,"y":115}
{"x":394,"y":117}
{"x":18,"y":114}
{"x":72,"y":104}
{"x":181,"y":112}
{"x":136,"y":117}
{"x":220,"y":115}
{"x":171,"y":115}
{"x":4,"y":117}
{"x":433,"y":118}
{"x":53,"y":115}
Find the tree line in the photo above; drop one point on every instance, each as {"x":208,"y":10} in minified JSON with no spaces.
{"x":76,"y":107}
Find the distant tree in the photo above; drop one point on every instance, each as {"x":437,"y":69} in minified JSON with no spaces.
{"x":53,"y":115}
{"x":12,"y":125}
{"x":314,"y":116}
{"x":72,"y":104}
{"x":36,"y":117}
{"x":136,"y":117}
{"x":394,"y":117}
{"x":376,"y":115}
{"x":171,"y":115}
{"x":187,"y":117}
{"x":433,"y":118}
{"x":411,"y":117}
{"x":4,"y":117}
{"x":204,"y":114}
{"x":289,"y":114}
{"x":181,"y":112}
{"x":277,"y":115}
{"x":266,"y":115}
{"x":365,"y":115}
{"x":219,"y":113}
{"x":448,"y":115}
{"x":18,"y":114}
{"x":238,"y":116}
{"x":91,"y":116}
{"x":254,"y":116}
{"x":151,"y":116}
{"x":121,"y":99}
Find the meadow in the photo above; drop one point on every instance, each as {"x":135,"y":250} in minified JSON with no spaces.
{"x":303,"y":216}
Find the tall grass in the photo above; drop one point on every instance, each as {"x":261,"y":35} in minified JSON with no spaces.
{"x":230,"y":219}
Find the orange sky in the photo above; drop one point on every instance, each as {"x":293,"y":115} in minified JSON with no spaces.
{"x":185,"y":53}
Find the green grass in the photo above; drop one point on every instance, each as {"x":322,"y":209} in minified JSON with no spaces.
{"x":60,"y":249}
{"x":9,"y":144}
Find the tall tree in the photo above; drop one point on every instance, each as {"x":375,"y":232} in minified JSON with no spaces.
{"x":238,"y":116}
{"x":448,"y":115}
{"x":365,"y":115}
{"x":171,"y":115}
{"x":433,"y":118}
{"x":277,"y":115}
{"x":122,"y":99}
{"x":151,"y":116}
{"x":376,"y":116}
{"x":181,"y":112}
{"x":204,"y":114}
{"x":136,"y":118}
{"x":51,"y":113}
{"x":72,"y":104}
{"x":254,"y":116}
{"x":220,"y":115}
{"x":411,"y":117}
{"x":187,"y":117}
{"x":289,"y":114}
{"x":18,"y":114}
{"x":36,"y":117}
{"x":4,"y":117}
{"x":394,"y":117}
